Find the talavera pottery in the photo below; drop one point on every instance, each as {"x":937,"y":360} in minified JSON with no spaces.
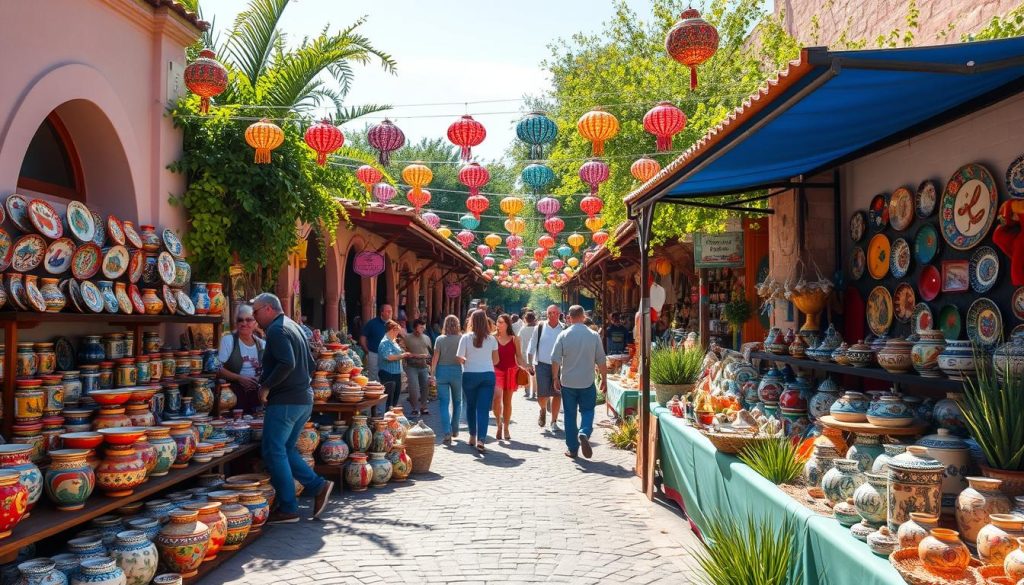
{"x":984,"y":323}
{"x":870,"y":498}
{"x":846,"y":513}
{"x":976,"y":503}
{"x":890,"y":411}
{"x":952,"y":452}
{"x":999,"y":537}
{"x":879,"y":310}
{"x":914,"y":485}
{"x":851,"y":407}
{"x":895,"y":356}
{"x":860,"y":355}
{"x":968,"y":207}
{"x":1009,"y":358}
{"x":957,"y":361}
{"x":864,"y":450}
{"x":925,"y":353}
{"x":915,"y":529}
{"x":840,"y":482}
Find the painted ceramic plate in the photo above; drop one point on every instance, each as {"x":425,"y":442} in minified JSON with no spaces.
{"x":136,"y":298}
{"x":3,"y":214}
{"x":92,"y":297}
{"x":968,"y":207}
{"x":949,"y":322}
{"x":86,"y":261}
{"x":165,"y":267}
{"x":45,"y":219}
{"x":131,"y":235}
{"x":115,"y":262}
{"x":173,"y":244}
{"x":136,"y":266}
{"x":65,"y":353}
{"x":903,"y":302}
{"x":878,"y":212}
{"x":170,"y":301}
{"x":35,"y":298}
{"x":901,"y":209}
{"x":857,"y":263}
{"x":17,"y":210}
{"x":879,"y":310}
{"x":17,"y":290}
{"x":80,"y":222}
{"x":1017,"y":329}
{"x":58,"y":256}
{"x":1015,"y":178}
{"x":878,"y":256}
{"x":858,"y":225}
{"x":100,"y":239}
{"x":922,"y":318}
{"x":984,"y":269}
{"x":124,"y":303}
{"x":925,"y":199}
{"x":6,"y":250}
{"x":1017,"y":303}
{"x":984,"y":323}
{"x":185,"y":306}
{"x":899,"y":258}
{"x":929,"y":284}
{"x":926,"y":243}
{"x":74,"y":292}
{"x":115,"y":230}
{"x":28,"y":252}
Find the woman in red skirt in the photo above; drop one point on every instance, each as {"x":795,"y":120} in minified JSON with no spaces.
{"x":506,"y":374}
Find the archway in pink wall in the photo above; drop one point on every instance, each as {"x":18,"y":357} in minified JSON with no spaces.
{"x":313,"y":287}
{"x":352,"y":288}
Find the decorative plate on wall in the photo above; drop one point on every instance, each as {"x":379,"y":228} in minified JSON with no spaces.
{"x":925,"y":199}
{"x":984,"y":323}
{"x":901,"y":209}
{"x":899,"y":258}
{"x":878,"y":310}
{"x":984,"y":269}
{"x":1015,"y":178}
{"x":968,"y":208}
{"x":929,"y":284}
{"x":878,"y":212}
{"x":922,"y":318}
{"x":174,"y":246}
{"x":131,"y":236}
{"x":136,"y":266}
{"x":926,"y":243}
{"x":115,"y":230}
{"x":949,"y":322}
{"x":115,"y":262}
{"x":903,"y":302}
{"x":100,"y":239}
{"x":17,"y":209}
{"x":170,"y":300}
{"x":6,"y":250}
{"x":28,"y":252}
{"x":45,"y":219}
{"x":86,"y":261}
{"x":80,"y":222}
{"x":1017,"y":303}
{"x":878,"y":256}
{"x":58,"y":256}
{"x":857,"y":263}
{"x":858,"y":225}
{"x":92,"y":297}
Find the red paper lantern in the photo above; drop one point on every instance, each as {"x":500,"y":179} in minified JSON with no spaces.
{"x":368,"y":176}
{"x":465,"y":237}
{"x":206,"y":78}
{"x":664,"y":121}
{"x":539,"y":254}
{"x":691,"y":41}
{"x":554,"y":225}
{"x":477,"y":204}
{"x":599,"y":237}
{"x":324,"y":138}
{"x":418,"y":198}
{"x":594,"y":172}
{"x":466,"y":133}
{"x":591,"y":206}
{"x":644,"y":169}
{"x":513,"y":241}
{"x":546,"y":242}
{"x":385,"y":138}
{"x":474,"y":176}
{"x":483,"y":249}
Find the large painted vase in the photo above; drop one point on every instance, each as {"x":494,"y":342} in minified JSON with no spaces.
{"x":382,"y":470}
{"x":165,"y":447}
{"x":70,"y":480}
{"x":184,"y":439}
{"x":975,"y":504}
{"x":359,"y":435}
{"x":870,"y":499}
{"x":308,"y":440}
{"x":210,"y":514}
{"x":121,"y":471}
{"x":136,"y":556}
{"x":18,"y":457}
{"x":333,"y":451}
{"x":183,"y":542}
{"x":915,"y":480}
{"x":257,"y":505}
{"x":358,"y":471}
{"x":999,"y":537}
{"x":382,"y":440}
{"x":840,"y":482}
{"x":401,"y":463}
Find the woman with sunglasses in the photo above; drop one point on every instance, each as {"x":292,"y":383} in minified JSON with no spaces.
{"x":241,"y":356}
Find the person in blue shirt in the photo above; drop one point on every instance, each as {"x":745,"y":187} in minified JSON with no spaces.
{"x":369,"y":340}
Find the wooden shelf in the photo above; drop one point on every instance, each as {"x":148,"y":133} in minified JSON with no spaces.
{"x":871,"y":429}
{"x":349,"y":408}
{"x":27,"y":319}
{"x":47,"y":521}
{"x":874,"y":373}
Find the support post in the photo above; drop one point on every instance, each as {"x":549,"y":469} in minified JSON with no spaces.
{"x":644,"y":221}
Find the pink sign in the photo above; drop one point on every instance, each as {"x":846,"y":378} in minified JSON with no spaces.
{"x":368,"y":264}
{"x":453,"y":290}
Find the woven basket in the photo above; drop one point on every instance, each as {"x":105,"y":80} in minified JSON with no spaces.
{"x":909,"y":566}
{"x":664,"y":392}
{"x":732,"y":443}
{"x":419,"y":444}
{"x":989,"y":571}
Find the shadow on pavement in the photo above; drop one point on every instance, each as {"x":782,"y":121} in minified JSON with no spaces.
{"x":592,"y":466}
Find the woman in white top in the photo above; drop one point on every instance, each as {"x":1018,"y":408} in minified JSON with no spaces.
{"x":525,"y":334}
{"x":478,"y":353}
{"x":240,"y":354}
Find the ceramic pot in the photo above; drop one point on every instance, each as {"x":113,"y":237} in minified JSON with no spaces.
{"x":140,"y":415}
{"x":165,"y":449}
{"x":820,"y":403}
{"x":183,"y":542}
{"x":18,"y":458}
{"x":70,"y":480}
{"x":954,"y":453}
{"x":840,"y":482}
{"x":851,"y":407}
{"x":185,"y":442}
{"x":90,"y":351}
{"x":1009,"y":358}
{"x":147,"y":452}
{"x":200,"y":298}
{"x":948,"y":415}
{"x":256,"y":503}
{"x":860,"y":355}
{"x":209,"y":514}
{"x":308,"y":440}
{"x":383,"y":440}
{"x":401,"y":463}
{"x":41,"y":571}
{"x":382,"y":469}
{"x":215,"y":291}
{"x":943,"y":553}
{"x":109,"y":298}
{"x":975,"y":504}
{"x":359,"y":435}
{"x":770,"y":387}
{"x":201,"y":392}
{"x":66,"y":563}
{"x":99,"y":571}
{"x":871,"y":497}
{"x":915,"y":479}
{"x":890,"y":411}
{"x":52,"y":296}
{"x":925,"y":353}
{"x":358,"y":471}
{"x":1013,"y":564}
{"x":239,"y":522}
{"x":321,"y":387}
{"x":29,"y":400}
{"x":226,"y":400}
{"x":882,"y":542}
{"x":148,"y":526}
{"x":87,"y":547}
{"x":121,"y":471}
{"x":333,"y":451}
{"x":999,"y":537}
{"x":325,"y":362}
{"x":136,"y":556}
{"x":895,"y":356}
{"x":914,"y":530}
{"x":110,"y":417}
{"x":151,"y":301}
{"x":149,"y":237}
{"x":864,"y":450}
{"x":846,"y":513}
{"x":957,"y":360}
{"x":821,"y":460}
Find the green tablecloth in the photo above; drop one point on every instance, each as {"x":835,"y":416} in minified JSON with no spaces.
{"x":710,"y":483}
{"x":621,"y":399}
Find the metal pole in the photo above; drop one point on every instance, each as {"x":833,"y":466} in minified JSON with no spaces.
{"x":646,"y":216}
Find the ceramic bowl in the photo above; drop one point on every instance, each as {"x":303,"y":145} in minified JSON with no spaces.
{"x":851,"y":407}
{"x":142,"y":393}
{"x":115,"y":397}
{"x":890,"y":412}
{"x":354,"y":371}
{"x":122,"y":435}
{"x":89,"y":440}
{"x":76,"y":416}
{"x":860,"y":357}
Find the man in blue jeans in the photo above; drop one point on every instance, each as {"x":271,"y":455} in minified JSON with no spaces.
{"x":578,"y":350}
{"x":284,"y":389}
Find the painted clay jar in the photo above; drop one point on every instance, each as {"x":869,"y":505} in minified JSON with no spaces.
{"x":136,"y":556}
{"x":954,"y":453}
{"x":52,"y":296}
{"x":914,"y":530}
{"x":239,"y":521}
{"x":846,"y":513}
{"x":17,"y":457}
{"x":140,"y":415}
{"x":256,"y":503}
{"x":200,"y":298}
{"x":184,"y":439}
{"x":770,"y":387}
{"x":201,"y":392}
{"x":227,"y":399}
{"x":165,"y":449}
{"x":948,"y":415}
{"x":325,"y":362}
{"x":999,"y":537}
{"x":975,"y":504}
{"x":870,"y":498}
{"x":147,"y":452}
{"x":121,"y":471}
{"x":1013,"y":564}
{"x":820,"y":462}
{"x":210,"y":514}
{"x":925,"y":353}
{"x":864,"y":450}
{"x":382,"y":469}
{"x":29,"y":400}
{"x":882,"y":542}
{"x":394,"y":426}
{"x":99,"y":571}
{"x":359,"y":435}
{"x":383,"y":440}
{"x":308,"y":440}
{"x":943,"y":553}
{"x":1009,"y":358}
{"x":915,"y":479}
{"x":13,"y":501}
{"x":41,"y":571}
{"x":957,"y":360}
{"x":820,"y":403}
{"x":401,"y":463}
{"x":860,"y":355}
{"x":840,"y":482}
{"x":217,"y":300}
{"x":889,"y":450}
{"x":358,"y":471}
{"x":333,"y":451}
{"x":148,"y":526}
{"x":895,"y":356}
{"x":110,"y":417}
{"x":70,"y":480}
{"x":109,"y":298}
{"x":183,"y":542}
{"x":321,"y":387}
{"x":890,"y":411}
{"x":851,"y":407}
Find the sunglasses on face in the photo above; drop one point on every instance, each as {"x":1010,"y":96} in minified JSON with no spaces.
{"x":245,"y":320}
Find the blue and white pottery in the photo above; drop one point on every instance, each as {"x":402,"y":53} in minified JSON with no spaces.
{"x":850,"y":407}
{"x":136,"y":555}
{"x":87,"y":547}
{"x":947,"y":414}
{"x":108,"y":525}
{"x":66,"y":563}
{"x":846,"y":513}
{"x":41,"y":571}
{"x":957,"y":360}
{"x":99,"y":571}
{"x":1009,"y":357}
{"x":109,"y":298}
{"x":840,"y":482}
{"x":889,"y":450}
{"x":864,"y":450}
{"x":870,"y":498}
{"x":921,"y":407}
{"x":954,"y":454}
{"x":890,"y":411}
{"x":861,"y":530}
{"x":147,"y":525}
{"x":915,"y":480}
{"x":817,"y":465}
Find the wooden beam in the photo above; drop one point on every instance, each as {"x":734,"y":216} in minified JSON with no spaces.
{"x":386,"y":244}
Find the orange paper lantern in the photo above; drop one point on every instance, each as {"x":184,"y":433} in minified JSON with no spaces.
{"x":264,"y":136}
{"x":598,"y":126}
{"x":644,"y":169}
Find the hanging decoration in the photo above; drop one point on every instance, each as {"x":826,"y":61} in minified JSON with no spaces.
{"x":539,"y":254}
{"x":513,"y":241}
{"x":417,"y":175}
{"x":385,"y":138}
{"x":644,"y":169}
{"x":554,"y":225}
{"x":432,"y":219}
{"x":591,"y":206}
{"x":517,"y":253}
{"x":512,"y":206}
{"x":594,"y":172}
{"x":515,"y":225}
{"x":206,"y":78}
{"x":466,"y":133}
{"x":469,"y":221}
{"x":536,"y":129}
{"x":264,"y":136}
{"x":492,"y":240}
{"x":474,"y":176}
{"x":594,"y":223}
{"x":557,"y":263}
{"x":546,"y":242}
{"x":368,"y":176}
{"x":507,"y":263}
{"x":575,"y":240}
{"x":691,"y":41}
{"x":662,"y":266}
{"x":483,"y":250}
{"x":599,"y":237}
{"x":537,"y":176}
{"x":564,"y":251}
{"x":418,"y":199}
{"x":664,"y":121}
{"x":324,"y":138}
{"x":384,"y":192}
{"x":488,"y":261}
{"x":573,"y":262}
{"x":548,"y":206}
{"x":445,"y":232}
{"x":465,"y":237}
{"x":477,"y":204}
{"x":598,"y":126}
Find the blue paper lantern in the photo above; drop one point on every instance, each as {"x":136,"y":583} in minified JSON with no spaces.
{"x":469,"y":222}
{"x":537,"y":176}
{"x":564,"y":251}
{"x":536,"y":129}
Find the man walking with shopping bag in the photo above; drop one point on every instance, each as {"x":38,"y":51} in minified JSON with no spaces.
{"x":577,"y":352}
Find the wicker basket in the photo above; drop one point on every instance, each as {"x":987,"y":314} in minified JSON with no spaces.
{"x":732,"y":443}
{"x":908,"y":565}
{"x":419,"y":444}
{"x":664,"y":392}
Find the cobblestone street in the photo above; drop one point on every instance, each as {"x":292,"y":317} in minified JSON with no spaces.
{"x":522,"y":513}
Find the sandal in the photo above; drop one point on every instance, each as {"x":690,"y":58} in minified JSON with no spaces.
{"x":497,"y":434}
{"x":480,"y":446}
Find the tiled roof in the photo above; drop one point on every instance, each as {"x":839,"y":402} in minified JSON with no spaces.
{"x":178,"y":8}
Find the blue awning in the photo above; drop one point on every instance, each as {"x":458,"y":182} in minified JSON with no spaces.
{"x":835,"y":106}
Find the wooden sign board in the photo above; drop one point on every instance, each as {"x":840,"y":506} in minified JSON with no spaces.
{"x":718,"y":250}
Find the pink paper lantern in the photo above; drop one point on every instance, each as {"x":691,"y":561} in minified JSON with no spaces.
{"x":383,"y":192}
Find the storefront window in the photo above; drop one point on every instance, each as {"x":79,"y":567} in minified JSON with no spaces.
{"x":51,"y":164}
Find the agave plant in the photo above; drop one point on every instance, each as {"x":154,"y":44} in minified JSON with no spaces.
{"x":676,"y":366}
{"x":749,"y":552}
{"x":994,"y":411}
{"x":624,"y":435}
{"x":775,"y":459}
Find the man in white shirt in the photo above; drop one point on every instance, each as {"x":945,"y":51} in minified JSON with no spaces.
{"x":538,"y":354}
{"x":577,"y":354}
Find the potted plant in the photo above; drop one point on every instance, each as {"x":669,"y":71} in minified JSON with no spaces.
{"x":737,"y":312}
{"x":994,"y":413}
{"x":674,"y":371}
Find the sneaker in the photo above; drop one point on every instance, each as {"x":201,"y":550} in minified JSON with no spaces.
{"x":585,"y":447}
{"x":554,"y":426}
{"x":570,"y":454}
{"x":542,"y":418}
{"x":279,"y":517}
{"x":322,"y":496}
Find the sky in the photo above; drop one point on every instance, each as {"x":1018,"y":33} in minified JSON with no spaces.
{"x":448,"y":51}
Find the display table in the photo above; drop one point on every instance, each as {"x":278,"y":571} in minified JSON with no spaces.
{"x":707,"y":483}
{"x":623,"y":401}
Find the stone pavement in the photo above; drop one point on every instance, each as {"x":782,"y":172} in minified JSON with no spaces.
{"x":522,"y":513}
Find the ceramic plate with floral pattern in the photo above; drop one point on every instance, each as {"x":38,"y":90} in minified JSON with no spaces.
{"x":136,"y":298}
{"x":858,"y":225}
{"x":170,"y":300}
{"x":100,"y":239}
{"x":185,"y":306}
{"x":879,"y":310}
{"x":903,"y":302}
{"x":6,"y":250}
{"x":968,"y":206}
{"x":922,"y":319}
{"x":878,"y":256}
{"x":115,"y":262}
{"x":984,"y":323}
{"x":857,"y":263}
{"x":115,"y":230}
{"x":925,"y":199}
{"x":17,"y":290}
{"x":86,"y":261}
{"x":165,"y":267}
{"x":984,"y":269}
{"x":878,"y":212}
{"x":58,"y":256}
{"x":899,"y":258}
{"x":136,"y":266}
{"x":130,"y":235}
{"x":28,"y":252}
{"x":17,"y":210}
{"x":45,"y":219}
{"x":173,"y":244}
{"x":81,"y":223}
{"x":901,"y":209}
{"x":92,"y":297}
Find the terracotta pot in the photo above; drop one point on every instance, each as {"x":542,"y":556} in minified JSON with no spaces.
{"x":943,"y":553}
{"x":70,"y":479}
{"x":183,"y":542}
{"x":121,"y":471}
{"x":975,"y":504}
{"x":254,"y":501}
{"x":401,"y":463}
{"x":1013,"y":481}
{"x":210,"y":514}
{"x":358,"y":472}
{"x":136,"y":556}
{"x":147,"y":452}
{"x":333,"y":451}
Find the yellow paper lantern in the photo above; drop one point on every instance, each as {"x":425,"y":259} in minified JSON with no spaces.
{"x":264,"y":136}
{"x":573,"y":262}
{"x":594,"y":223}
{"x":662,"y":266}
{"x":445,"y":232}
{"x":598,"y":126}
{"x":417,"y":176}
{"x":515,"y":225}
{"x":492,"y":240}
{"x":512,"y":206}
{"x":575,"y":240}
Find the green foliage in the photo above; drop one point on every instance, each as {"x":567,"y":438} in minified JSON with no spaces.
{"x":737,"y":312}
{"x":676,"y":366}
{"x":749,"y":551}
{"x":541,"y":298}
{"x":775,"y":459}
{"x":1001,"y":27}
{"x":994,"y":411}
{"x":625,"y":434}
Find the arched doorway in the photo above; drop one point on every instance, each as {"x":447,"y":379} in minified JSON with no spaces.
{"x":353,"y":297}
{"x":313,"y":287}
{"x":383,"y":292}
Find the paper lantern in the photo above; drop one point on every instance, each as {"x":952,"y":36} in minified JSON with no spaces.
{"x":488,"y":261}
{"x":474,"y":176}
{"x":206,"y":78}
{"x":466,"y":133}
{"x":644,"y":169}
{"x":573,"y":262}
{"x":546,"y":242}
{"x":418,"y":199}
{"x":368,"y":176}
{"x":384,"y":192}
{"x":599,"y":237}
{"x":664,"y":121}
{"x":517,"y":253}
{"x":264,"y":136}
{"x":598,"y":126}
{"x":465,"y":237}
{"x":469,"y":221}
{"x":537,"y":176}
{"x":534,"y":265}
{"x":594,"y":172}
{"x":417,"y":175}
{"x":507,"y":263}
{"x":557,"y":263}
{"x":445,"y":232}
{"x":515,"y":225}
{"x":575,"y":240}
{"x":554,"y":225}
{"x":539,"y":254}
{"x":591,"y":206}
{"x":513,"y":241}
{"x":483,"y":249}
{"x":564,"y":251}
{"x":594,"y":223}
{"x":691,"y":41}
{"x":385,"y":138}
{"x":324,"y":138}
{"x":432,"y":219}
{"x":536,"y":129}
{"x":477,"y":204}
{"x":512,"y":205}
{"x":548,"y":206}
{"x":492,"y":240}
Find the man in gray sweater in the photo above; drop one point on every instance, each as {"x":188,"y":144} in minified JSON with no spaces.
{"x":284,"y":388}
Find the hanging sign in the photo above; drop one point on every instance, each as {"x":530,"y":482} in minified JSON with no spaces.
{"x":368,"y":264}
{"x":452,"y":290}
{"x":718,"y":250}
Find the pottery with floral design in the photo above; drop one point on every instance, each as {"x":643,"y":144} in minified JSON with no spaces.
{"x":821,"y":460}
{"x":166,"y":450}
{"x":184,"y":439}
{"x":975,"y":504}
{"x":382,"y":469}
{"x":840,"y":482}
{"x":70,"y":480}
{"x":121,"y":471}
{"x":41,"y":571}
{"x":914,"y":485}
{"x":401,"y":462}
{"x":99,"y":571}
{"x":256,"y":503}
{"x":308,"y":440}
{"x":914,"y":530}
{"x":889,"y":450}
{"x":943,"y":553}
{"x":850,"y":407}
{"x":358,"y":471}
{"x":925,"y":353}
{"x":871,"y":497}
{"x":18,"y":457}
{"x":209,"y":514}
{"x":999,"y":537}
{"x":359,"y":435}
{"x":183,"y":542}
{"x":136,"y":556}
{"x":1013,"y":564}
{"x":238,"y":517}
{"x":334,"y":450}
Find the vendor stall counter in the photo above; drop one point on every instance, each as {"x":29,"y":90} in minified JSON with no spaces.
{"x":622,"y":400}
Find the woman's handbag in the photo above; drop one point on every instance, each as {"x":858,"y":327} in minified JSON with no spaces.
{"x":522,"y":377}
